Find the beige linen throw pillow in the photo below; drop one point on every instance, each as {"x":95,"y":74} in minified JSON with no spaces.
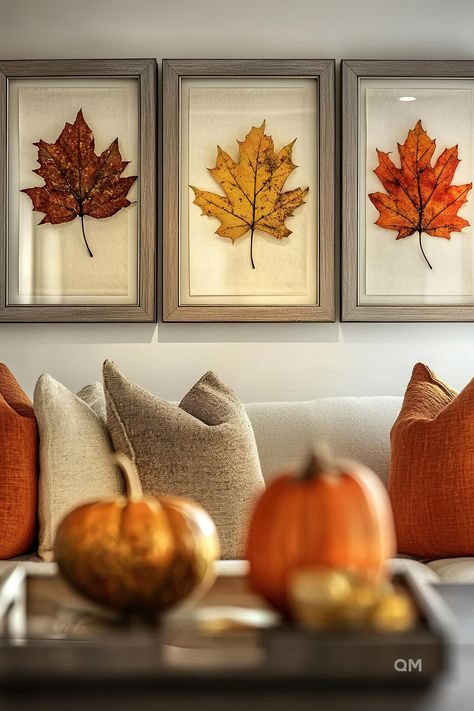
{"x":75,"y":454}
{"x":202,"y":449}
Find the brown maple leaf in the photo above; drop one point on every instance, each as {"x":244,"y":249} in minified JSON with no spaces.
{"x":77,"y":181}
{"x":420,"y":197}
{"x":253,"y":189}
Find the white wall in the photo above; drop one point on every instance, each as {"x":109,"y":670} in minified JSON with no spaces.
{"x":261,"y":361}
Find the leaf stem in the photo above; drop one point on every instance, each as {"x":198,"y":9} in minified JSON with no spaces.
{"x":84,"y":235}
{"x":251,"y":248}
{"x":422,"y":250}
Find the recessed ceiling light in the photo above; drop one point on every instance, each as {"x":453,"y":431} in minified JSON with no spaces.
{"x":407,"y":98}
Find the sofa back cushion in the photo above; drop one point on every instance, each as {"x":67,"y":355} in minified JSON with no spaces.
{"x":18,"y":468}
{"x":202,"y":449}
{"x":355,"y":427}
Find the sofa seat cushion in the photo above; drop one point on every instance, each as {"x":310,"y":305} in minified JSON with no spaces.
{"x":453,"y":570}
{"x":416,"y":567}
{"x":227,"y":568}
{"x":36,"y":566}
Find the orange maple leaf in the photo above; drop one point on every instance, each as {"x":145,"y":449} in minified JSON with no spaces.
{"x":420,"y":197}
{"x":253,"y":189}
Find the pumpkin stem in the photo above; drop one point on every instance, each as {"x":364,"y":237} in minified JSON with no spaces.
{"x":130,"y":475}
{"x":320,"y":461}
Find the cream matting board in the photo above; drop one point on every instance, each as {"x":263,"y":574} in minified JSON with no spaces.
{"x":213,"y":270}
{"x":393,"y":271}
{"x":49,"y":264}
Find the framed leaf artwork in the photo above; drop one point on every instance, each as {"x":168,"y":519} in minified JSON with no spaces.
{"x":248,"y":204}
{"x":407,"y":191}
{"x":77,"y":190}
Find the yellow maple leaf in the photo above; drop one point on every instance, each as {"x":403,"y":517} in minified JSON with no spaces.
{"x":253,"y":189}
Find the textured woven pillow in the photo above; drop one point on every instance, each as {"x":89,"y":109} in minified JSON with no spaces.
{"x":203,"y":449}
{"x":75,"y":454}
{"x":18,"y":468}
{"x":431,"y":480}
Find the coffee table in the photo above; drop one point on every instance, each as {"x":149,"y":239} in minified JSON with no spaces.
{"x":200,"y":673}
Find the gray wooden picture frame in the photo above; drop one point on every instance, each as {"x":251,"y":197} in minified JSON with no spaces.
{"x":173,"y":72}
{"x":352,"y":72}
{"x":145,"y":71}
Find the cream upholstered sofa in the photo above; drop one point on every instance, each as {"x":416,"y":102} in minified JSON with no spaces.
{"x":356,"y":428}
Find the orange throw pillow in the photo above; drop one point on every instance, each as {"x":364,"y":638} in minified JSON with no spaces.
{"x":18,"y":468}
{"x":431,"y":480}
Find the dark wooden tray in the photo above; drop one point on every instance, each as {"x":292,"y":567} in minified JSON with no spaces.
{"x":414,"y":656}
{"x":49,"y":633}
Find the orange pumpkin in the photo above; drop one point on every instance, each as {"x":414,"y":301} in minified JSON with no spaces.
{"x":137,"y":553}
{"x":334,"y":515}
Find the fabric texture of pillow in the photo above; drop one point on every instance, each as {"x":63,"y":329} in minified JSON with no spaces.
{"x":18,"y":468}
{"x":431,"y":479}
{"x":202,"y":449}
{"x":75,"y":454}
